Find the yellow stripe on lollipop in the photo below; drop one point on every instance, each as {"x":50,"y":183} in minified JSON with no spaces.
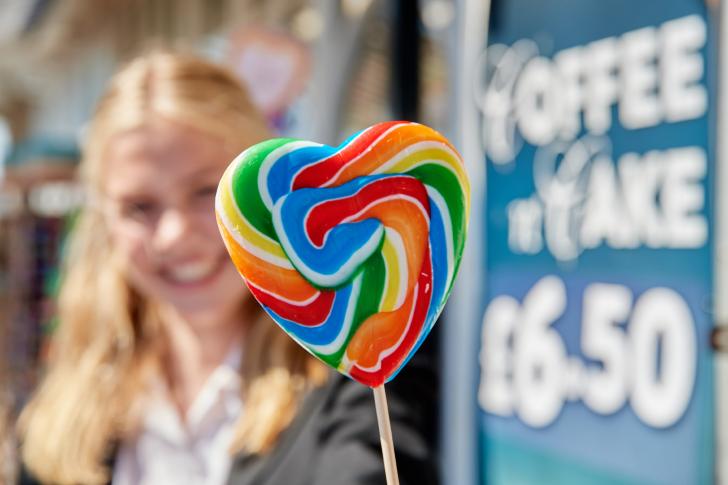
{"x":253,"y":239}
{"x":392,"y":279}
{"x":435,"y":156}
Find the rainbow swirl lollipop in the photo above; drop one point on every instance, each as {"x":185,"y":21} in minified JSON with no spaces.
{"x":352,"y":250}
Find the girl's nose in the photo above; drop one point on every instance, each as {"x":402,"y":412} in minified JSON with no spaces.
{"x":172,"y":228}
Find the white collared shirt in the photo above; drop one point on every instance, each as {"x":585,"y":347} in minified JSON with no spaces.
{"x":169,"y":451}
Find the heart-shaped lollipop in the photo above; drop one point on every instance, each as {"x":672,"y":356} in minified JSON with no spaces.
{"x":352,"y":250}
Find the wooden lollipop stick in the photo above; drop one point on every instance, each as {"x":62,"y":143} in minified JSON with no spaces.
{"x":385,"y":435}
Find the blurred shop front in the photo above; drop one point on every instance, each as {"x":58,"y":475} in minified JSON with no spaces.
{"x":591,"y":130}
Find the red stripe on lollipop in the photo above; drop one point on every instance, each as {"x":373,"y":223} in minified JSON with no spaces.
{"x":393,"y":361}
{"x":317,"y":174}
{"x":309,"y":315}
{"x":326,"y":215}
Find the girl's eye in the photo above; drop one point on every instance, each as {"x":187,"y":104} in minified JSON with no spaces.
{"x":141,"y":209}
{"x":206,"y":191}
{"x":204,"y":199}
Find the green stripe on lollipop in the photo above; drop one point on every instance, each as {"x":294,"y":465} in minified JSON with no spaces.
{"x":246,"y":176}
{"x":444,"y":181}
{"x":367,"y":304}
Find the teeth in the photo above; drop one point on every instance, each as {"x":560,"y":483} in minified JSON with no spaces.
{"x":189,"y":272}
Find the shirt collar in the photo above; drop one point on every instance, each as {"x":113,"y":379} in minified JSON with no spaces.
{"x":218,"y":400}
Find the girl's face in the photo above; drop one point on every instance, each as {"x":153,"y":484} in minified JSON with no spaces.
{"x":160,"y":182}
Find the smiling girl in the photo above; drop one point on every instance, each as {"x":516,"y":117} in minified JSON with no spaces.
{"x":164,"y":369}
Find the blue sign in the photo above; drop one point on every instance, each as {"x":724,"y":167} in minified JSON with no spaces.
{"x":595,"y":366}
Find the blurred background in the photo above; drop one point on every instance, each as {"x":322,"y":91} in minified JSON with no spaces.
{"x":582,"y":343}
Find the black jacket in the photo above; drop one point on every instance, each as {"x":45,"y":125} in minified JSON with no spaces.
{"x":334,"y":440}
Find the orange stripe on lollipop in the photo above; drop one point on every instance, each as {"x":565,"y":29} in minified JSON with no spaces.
{"x":390,"y":352}
{"x":385,"y":149}
{"x":383,"y":330}
{"x":378,"y":333}
{"x":408,"y":220}
{"x":287,"y":283}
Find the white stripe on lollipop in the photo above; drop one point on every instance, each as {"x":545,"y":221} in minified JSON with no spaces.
{"x":271,"y":160}
{"x":439,"y":201}
{"x":335,"y":345}
{"x":275,"y":295}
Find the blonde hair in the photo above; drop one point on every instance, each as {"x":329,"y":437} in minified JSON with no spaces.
{"x":8,"y":460}
{"x":110,"y":339}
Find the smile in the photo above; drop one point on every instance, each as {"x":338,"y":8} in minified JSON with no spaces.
{"x":194,"y":273}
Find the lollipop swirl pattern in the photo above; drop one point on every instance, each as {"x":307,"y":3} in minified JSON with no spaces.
{"x":352,"y":249}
